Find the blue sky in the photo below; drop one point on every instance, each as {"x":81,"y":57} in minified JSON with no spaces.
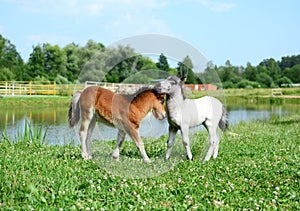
{"x":239,"y":30}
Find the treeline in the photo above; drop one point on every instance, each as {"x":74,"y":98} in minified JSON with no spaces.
{"x":121,"y":64}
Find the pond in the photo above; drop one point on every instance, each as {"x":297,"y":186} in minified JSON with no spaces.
{"x":54,"y":120}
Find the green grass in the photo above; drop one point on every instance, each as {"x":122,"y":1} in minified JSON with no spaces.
{"x":34,"y":101}
{"x":258,"y":168}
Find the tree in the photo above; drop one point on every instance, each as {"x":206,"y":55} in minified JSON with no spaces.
{"x":111,"y":65}
{"x":6,"y":74}
{"x":162,"y":63}
{"x":271,"y":68}
{"x":72,"y":62}
{"x":289,"y":61}
{"x":185,"y":68}
{"x":10,"y":60}
{"x":86,"y":53}
{"x":283,"y":80}
{"x":293,"y":73}
{"x":121,"y":62}
{"x":36,"y":63}
{"x":250,"y":72}
{"x":264,"y":79}
{"x":55,"y":61}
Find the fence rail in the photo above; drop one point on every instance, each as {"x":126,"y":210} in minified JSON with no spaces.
{"x":9,"y":88}
{"x":12,"y":88}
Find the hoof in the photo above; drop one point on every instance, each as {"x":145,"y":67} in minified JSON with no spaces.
{"x":147,"y":161}
{"x":86,"y":156}
{"x":115,"y":155}
{"x":191,"y":159}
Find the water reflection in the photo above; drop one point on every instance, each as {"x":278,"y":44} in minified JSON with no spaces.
{"x":58,"y":132}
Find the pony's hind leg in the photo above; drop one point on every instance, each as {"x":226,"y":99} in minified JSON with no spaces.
{"x":216,"y":147}
{"x":87,"y":126}
{"x":83,"y":135}
{"x":88,"y":137}
{"x":120,"y":140}
{"x":171,"y":140}
{"x":213,"y":143}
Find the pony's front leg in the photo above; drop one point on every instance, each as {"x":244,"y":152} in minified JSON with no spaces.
{"x":120,"y":140}
{"x":139,"y":144}
{"x":186,"y":142}
{"x":171,"y":140}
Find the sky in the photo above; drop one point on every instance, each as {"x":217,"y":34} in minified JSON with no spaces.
{"x":240,"y":31}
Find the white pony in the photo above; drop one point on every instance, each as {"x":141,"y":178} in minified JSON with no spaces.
{"x":186,"y":113}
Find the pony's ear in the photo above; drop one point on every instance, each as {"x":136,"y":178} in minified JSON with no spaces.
{"x":183,"y":79}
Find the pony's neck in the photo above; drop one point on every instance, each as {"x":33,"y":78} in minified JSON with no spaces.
{"x":177,"y":95}
{"x":143,"y":103}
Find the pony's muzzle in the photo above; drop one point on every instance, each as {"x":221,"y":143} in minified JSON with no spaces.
{"x":163,"y":116}
{"x":159,"y":88}
{"x":159,"y":115}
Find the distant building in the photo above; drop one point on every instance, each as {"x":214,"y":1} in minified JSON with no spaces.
{"x":200,"y":87}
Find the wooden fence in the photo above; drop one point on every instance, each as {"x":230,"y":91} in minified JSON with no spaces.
{"x":14,"y":88}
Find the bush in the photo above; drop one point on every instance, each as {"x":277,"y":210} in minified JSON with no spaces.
{"x":247,"y":84}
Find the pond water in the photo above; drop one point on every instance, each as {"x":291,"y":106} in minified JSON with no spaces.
{"x":54,"y":120}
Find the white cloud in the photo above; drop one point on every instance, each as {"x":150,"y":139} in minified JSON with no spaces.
{"x":95,"y":9}
{"x":217,"y":6}
{"x":133,"y":17}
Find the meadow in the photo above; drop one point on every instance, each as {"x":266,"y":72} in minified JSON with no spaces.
{"x":258,"y":168}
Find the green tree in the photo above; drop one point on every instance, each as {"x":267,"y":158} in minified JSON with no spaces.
{"x":185,"y":68}
{"x":6,"y":74}
{"x":36,"y":64}
{"x":283,"y":80}
{"x":264,"y":79}
{"x":162,"y":63}
{"x":111,"y":65}
{"x":10,"y":60}
{"x":55,"y":61}
{"x":250,"y":72}
{"x":293,"y":73}
{"x":88,"y":53}
{"x":72,"y":62}
{"x":289,"y":61}
{"x":271,"y":68}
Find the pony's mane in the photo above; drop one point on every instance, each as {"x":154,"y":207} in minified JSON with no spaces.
{"x":141,"y":90}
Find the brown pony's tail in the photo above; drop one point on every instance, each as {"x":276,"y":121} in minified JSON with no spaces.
{"x":74,"y":110}
{"x":223,"y":124}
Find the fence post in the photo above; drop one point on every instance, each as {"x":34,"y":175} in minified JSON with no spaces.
{"x":30,"y":87}
{"x":54,"y":88}
{"x":13,"y":89}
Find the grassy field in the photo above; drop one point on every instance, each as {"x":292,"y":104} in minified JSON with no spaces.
{"x":34,"y":101}
{"x":258,"y":168}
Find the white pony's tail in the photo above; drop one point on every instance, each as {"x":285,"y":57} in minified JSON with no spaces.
{"x":223,"y":124}
{"x":74,"y":110}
